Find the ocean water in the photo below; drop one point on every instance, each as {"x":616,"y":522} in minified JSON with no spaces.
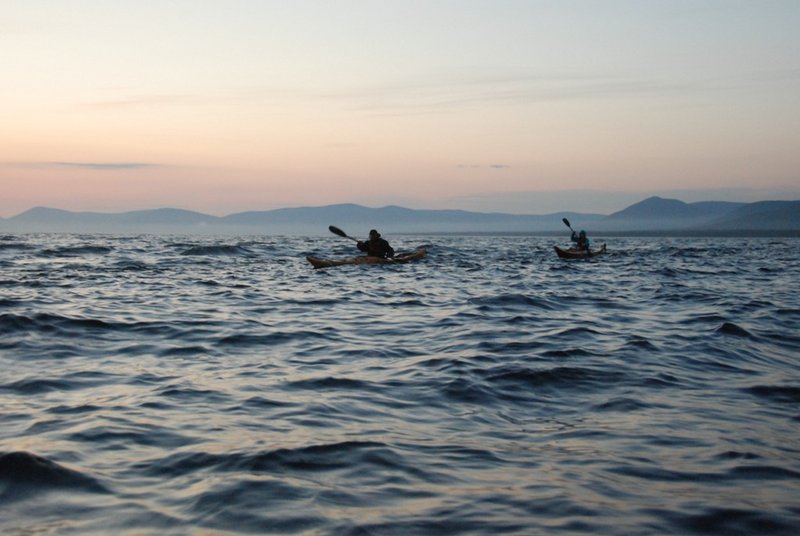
{"x":175,"y":385}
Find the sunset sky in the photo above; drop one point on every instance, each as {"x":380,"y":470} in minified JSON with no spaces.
{"x":517,"y":106}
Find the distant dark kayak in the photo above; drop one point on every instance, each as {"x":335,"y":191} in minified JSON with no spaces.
{"x":364,"y":259}
{"x":573,"y":253}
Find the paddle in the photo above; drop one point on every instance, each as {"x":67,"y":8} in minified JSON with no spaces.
{"x":566,"y":222}
{"x":335,"y":230}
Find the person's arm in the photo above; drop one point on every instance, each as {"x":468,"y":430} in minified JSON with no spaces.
{"x":389,"y":250}
{"x":362,"y":246}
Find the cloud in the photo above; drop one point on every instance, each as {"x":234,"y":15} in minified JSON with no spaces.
{"x":96,"y":166}
{"x":105,"y":165}
{"x":479,"y":166}
{"x":147,"y":101}
{"x":447,"y":93}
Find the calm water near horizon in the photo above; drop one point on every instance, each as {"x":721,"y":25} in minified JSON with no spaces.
{"x":201,"y":385}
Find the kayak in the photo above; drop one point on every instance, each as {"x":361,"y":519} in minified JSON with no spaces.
{"x":573,"y":253}
{"x":400,"y":258}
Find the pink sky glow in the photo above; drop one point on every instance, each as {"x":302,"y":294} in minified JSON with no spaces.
{"x":525,"y":107}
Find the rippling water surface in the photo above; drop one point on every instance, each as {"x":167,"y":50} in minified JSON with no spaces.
{"x":179,"y":385}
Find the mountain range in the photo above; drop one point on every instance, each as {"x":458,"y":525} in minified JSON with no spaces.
{"x":652,"y":215}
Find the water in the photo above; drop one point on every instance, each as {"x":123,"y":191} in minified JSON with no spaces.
{"x":178,"y":385}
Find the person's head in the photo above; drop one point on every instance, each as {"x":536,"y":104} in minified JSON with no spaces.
{"x":374,"y":235}
{"x":582,"y":234}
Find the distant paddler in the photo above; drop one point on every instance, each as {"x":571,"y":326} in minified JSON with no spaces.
{"x":375,"y":246}
{"x":581,"y":240}
{"x":581,"y":249}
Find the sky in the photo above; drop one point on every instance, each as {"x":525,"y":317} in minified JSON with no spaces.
{"x":526,"y":107}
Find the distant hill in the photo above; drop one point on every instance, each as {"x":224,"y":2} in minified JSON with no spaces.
{"x":43,"y":219}
{"x":763,"y":215}
{"x":403,"y":219}
{"x":43,"y":215}
{"x":654,"y":214}
{"x":292,"y":221}
{"x":169,"y":216}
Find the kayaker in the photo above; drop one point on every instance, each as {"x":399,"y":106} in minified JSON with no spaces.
{"x":581,"y":240}
{"x":376,"y":246}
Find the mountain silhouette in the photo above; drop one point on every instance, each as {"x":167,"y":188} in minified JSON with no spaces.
{"x":654,"y":214}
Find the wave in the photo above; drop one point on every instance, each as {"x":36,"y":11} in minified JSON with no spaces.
{"x":15,"y":246}
{"x":514,"y":301}
{"x":76,"y":251}
{"x":324,"y":457}
{"x":622,"y":404}
{"x":274,"y":338}
{"x":231,"y":251}
{"x":36,"y":384}
{"x":782,"y":394}
{"x":336,"y":384}
{"x":732,"y":521}
{"x":23,"y":474}
{"x":738,"y":473}
{"x":47,"y":322}
{"x":127,"y":435}
{"x":729,"y":328}
{"x":77,"y":327}
{"x":560,"y":378}
{"x":132,"y":265}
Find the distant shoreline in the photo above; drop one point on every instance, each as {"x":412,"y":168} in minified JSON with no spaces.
{"x":652,"y":217}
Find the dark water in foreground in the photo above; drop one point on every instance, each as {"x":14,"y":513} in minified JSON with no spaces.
{"x":162,"y":385}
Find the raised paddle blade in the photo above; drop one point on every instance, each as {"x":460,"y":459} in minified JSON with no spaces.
{"x":566,"y":222}
{"x":337,"y":231}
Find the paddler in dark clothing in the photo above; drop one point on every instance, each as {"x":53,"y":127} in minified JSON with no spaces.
{"x":376,"y":246}
{"x":581,"y":241}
